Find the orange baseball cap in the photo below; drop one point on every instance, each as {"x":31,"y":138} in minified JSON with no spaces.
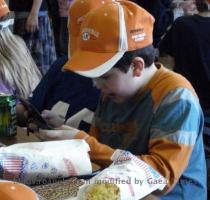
{"x":16,"y":191}
{"x":107,"y":33}
{"x":3,"y":8}
{"x":78,"y":9}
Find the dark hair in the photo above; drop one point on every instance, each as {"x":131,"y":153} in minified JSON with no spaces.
{"x":202,"y":5}
{"x":148,"y":54}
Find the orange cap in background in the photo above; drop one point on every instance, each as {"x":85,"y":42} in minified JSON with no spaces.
{"x":3,"y":8}
{"x":16,"y":191}
{"x":107,"y":33}
{"x":78,"y":9}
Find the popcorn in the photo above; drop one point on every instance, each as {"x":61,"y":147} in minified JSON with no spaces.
{"x":102,"y":191}
{"x":134,"y":178}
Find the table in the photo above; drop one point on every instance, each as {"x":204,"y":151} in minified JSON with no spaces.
{"x":66,"y":190}
{"x":61,"y":190}
{"x":21,"y":137}
{"x":53,"y":190}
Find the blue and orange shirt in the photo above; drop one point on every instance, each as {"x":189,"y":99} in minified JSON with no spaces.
{"x":163,"y":125}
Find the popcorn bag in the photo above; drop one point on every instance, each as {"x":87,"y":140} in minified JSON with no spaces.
{"x":34,"y":163}
{"x":134,"y":179}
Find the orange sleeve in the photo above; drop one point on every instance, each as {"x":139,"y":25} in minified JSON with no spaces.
{"x":168,"y":158}
{"x":165,"y":162}
{"x":99,"y":153}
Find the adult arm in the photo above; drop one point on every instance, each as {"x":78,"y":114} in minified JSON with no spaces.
{"x":32,"y":23}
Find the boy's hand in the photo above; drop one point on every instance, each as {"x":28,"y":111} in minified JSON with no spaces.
{"x":61,"y":133}
{"x":52,"y":118}
{"x":22,"y":115}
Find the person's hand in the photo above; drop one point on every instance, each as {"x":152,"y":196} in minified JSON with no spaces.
{"x":32,"y":23}
{"x":62,"y":133}
{"x":22,"y":115}
{"x":52,"y":118}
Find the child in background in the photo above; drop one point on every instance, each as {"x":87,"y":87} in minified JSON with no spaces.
{"x":75,"y":107}
{"x":33,"y":25}
{"x":55,"y":19}
{"x":63,"y":36}
{"x":183,"y":7}
{"x":19,"y":74}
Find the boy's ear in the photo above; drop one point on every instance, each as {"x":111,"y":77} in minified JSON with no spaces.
{"x":137,"y":66}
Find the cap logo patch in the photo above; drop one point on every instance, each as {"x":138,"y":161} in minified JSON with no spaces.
{"x":88,"y":32}
{"x":139,"y":37}
{"x":85,"y":36}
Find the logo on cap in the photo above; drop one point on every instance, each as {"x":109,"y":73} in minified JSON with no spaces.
{"x":89,"y":32}
{"x":85,"y":36}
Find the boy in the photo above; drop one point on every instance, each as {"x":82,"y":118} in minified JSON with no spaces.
{"x":145,"y":109}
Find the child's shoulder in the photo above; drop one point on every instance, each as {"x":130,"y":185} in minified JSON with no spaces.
{"x":167,"y":81}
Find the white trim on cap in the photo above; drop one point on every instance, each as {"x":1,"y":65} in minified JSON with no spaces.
{"x":123,"y":40}
{"x":6,"y":23}
{"x":102,"y":69}
{"x":122,"y":48}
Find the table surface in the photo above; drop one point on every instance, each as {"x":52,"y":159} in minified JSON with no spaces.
{"x":21,"y":137}
{"x":53,"y":190}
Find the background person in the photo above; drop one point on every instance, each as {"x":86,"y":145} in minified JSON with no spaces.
{"x":33,"y":25}
{"x":55,"y":20}
{"x":19,"y":74}
{"x":67,"y":97}
{"x":63,"y":37}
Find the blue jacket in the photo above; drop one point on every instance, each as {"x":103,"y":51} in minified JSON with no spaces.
{"x":65,"y":88}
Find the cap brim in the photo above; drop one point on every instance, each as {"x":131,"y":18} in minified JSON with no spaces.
{"x":92,"y":64}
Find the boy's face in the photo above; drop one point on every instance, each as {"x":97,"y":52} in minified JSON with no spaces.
{"x":115,"y":84}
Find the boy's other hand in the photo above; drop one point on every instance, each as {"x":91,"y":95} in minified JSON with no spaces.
{"x":62,"y":133}
{"x":22,"y":115}
{"x":52,"y":118}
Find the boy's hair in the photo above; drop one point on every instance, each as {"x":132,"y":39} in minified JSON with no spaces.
{"x":148,"y":54}
{"x":202,"y":5}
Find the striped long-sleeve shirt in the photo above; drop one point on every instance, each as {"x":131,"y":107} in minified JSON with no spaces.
{"x":162,"y":125}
